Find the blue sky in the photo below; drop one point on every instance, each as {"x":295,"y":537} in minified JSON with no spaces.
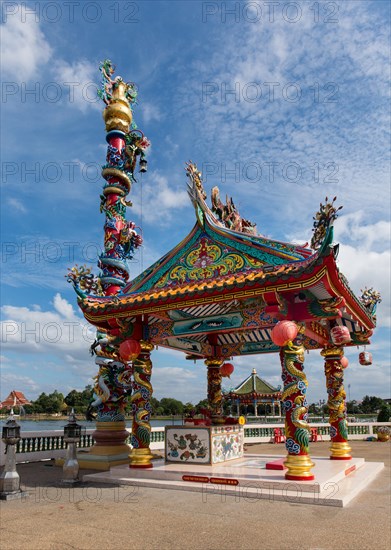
{"x":277,"y":109}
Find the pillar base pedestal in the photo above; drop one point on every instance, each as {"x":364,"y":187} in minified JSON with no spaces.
{"x":340,"y":450}
{"x":141,"y":458}
{"x":299,"y":468}
{"x":101,"y":462}
{"x":108,"y":450}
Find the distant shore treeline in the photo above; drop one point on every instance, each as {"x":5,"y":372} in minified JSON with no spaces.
{"x":56,"y":404}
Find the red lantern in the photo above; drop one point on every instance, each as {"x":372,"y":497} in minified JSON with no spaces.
{"x":344,"y":362}
{"x":284,"y":332}
{"x":340,"y":335}
{"x":226,"y":370}
{"x":365,"y":358}
{"x":129,"y":350}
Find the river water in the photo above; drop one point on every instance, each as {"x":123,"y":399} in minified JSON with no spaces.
{"x":47,"y":425}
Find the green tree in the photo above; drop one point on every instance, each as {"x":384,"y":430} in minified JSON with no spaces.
{"x":171,"y":405}
{"x":49,"y":404}
{"x":371,"y":404}
{"x":352,"y":407}
{"x":384,"y":413}
{"x":155,"y":405}
{"x":79,"y":400}
{"x":74,"y":399}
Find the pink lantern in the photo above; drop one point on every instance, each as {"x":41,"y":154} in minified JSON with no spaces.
{"x":284,"y":332}
{"x":344,"y":362}
{"x":340,"y":335}
{"x":226,"y":370}
{"x":129,"y":350}
{"x":365,"y":358}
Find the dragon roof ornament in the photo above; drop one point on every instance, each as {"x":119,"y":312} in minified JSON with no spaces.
{"x":226,"y":215}
{"x":323,"y":219}
{"x":370,"y":298}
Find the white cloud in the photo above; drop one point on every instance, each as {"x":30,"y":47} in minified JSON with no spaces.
{"x":160,"y":199}
{"x":53,"y":333}
{"x":150,"y":112}
{"x":24,"y":48}
{"x":17,"y":205}
{"x":365,"y":257}
{"x":79,"y":81}
{"x":64,"y":308}
{"x":19,"y":383}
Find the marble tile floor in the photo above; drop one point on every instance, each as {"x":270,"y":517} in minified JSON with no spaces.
{"x":336,"y":482}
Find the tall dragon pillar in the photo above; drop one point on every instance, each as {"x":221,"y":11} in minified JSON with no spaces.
{"x":297,"y":431}
{"x":141,"y":456}
{"x":113,"y":385}
{"x":339,"y":449}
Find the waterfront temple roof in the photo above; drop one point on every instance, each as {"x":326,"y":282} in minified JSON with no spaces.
{"x":253,"y":384}
{"x":221,"y":290}
{"x":15,"y":399}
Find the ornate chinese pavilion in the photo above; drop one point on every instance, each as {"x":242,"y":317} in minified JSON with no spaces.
{"x":253,"y":392}
{"x":223,"y":291}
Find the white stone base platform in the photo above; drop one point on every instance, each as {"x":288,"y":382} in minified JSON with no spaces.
{"x":336,"y":482}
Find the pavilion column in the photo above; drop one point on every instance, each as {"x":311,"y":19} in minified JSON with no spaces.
{"x":110,"y":399}
{"x":214,"y":389}
{"x":340,"y":449}
{"x":298,"y":461}
{"x":141,"y":456}
{"x":237,"y":408}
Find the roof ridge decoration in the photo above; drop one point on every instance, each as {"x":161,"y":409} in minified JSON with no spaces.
{"x":370,"y":298}
{"x":323,"y":220}
{"x":225,"y":215}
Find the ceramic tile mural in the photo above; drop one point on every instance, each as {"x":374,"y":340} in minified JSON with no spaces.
{"x":227,"y":446}
{"x":187,"y":445}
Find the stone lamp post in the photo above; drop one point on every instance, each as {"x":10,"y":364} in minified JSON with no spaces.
{"x":72,"y":434}
{"x":9,"y":478}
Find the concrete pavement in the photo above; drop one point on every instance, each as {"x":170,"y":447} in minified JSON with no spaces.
{"x":110,"y":517}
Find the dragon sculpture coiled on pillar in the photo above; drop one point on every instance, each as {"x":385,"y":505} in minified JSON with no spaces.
{"x":298,"y":462}
{"x":340,"y":449}
{"x":141,"y":406}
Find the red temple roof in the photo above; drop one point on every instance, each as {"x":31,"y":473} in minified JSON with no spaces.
{"x":15,"y":399}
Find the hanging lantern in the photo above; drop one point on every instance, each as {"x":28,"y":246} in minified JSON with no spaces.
{"x":226,"y":370}
{"x":129,"y":350}
{"x":340,"y":335}
{"x":143,"y":165}
{"x":284,"y":332}
{"x":344,"y":362}
{"x":365,"y":358}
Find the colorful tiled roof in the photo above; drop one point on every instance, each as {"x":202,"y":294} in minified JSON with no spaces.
{"x":254,"y":383}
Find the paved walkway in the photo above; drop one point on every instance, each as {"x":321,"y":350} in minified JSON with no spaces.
{"x":105,"y":517}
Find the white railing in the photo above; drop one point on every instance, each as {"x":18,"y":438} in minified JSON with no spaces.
{"x":41,"y":445}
